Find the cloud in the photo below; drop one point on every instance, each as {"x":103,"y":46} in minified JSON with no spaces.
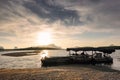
{"x":94,"y":13}
{"x":99,"y":14}
{"x":69,"y":20}
{"x":48,"y":9}
{"x":4,"y":40}
{"x":5,"y":34}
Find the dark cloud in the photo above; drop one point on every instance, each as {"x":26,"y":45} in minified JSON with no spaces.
{"x":95,"y":1}
{"x":99,"y":14}
{"x":53,"y":12}
{"x":7,"y":11}
{"x":106,"y":15}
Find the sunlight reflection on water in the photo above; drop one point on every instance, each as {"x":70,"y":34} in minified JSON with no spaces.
{"x":44,"y":54}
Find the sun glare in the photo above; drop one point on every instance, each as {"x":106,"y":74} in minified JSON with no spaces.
{"x":44,"y":38}
{"x":44,"y":54}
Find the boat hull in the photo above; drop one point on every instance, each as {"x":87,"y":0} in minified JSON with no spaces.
{"x":54,"y":61}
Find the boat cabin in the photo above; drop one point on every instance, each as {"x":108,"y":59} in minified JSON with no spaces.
{"x":98,"y":55}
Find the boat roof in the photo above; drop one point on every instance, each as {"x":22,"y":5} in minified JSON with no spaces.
{"x":101,"y":49}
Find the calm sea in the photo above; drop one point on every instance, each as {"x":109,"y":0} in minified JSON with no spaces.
{"x":33,"y":61}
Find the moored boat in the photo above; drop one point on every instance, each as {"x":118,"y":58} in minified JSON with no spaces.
{"x":99,"y":55}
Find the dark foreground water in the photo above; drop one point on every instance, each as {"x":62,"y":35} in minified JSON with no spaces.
{"x":33,"y":61}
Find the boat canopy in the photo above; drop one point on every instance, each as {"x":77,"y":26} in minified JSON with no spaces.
{"x":101,"y":49}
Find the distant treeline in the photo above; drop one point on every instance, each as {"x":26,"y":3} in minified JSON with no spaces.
{"x":50,"y":48}
{"x":34,"y":48}
{"x":2,"y":49}
{"x":38,"y":48}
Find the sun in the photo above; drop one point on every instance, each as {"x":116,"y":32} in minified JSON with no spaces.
{"x":44,"y":38}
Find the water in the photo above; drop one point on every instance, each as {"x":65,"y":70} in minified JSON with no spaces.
{"x":33,"y":61}
{"x":116,"y":60}
{"x":19,"y":62}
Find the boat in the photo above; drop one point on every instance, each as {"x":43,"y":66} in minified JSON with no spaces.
{"x":80,"y":56}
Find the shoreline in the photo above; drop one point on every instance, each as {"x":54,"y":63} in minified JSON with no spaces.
{"x":69,"y":72}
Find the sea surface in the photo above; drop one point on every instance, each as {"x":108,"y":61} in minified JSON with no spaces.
{"x":34,"y":61}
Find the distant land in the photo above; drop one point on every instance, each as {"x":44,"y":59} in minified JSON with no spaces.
{"x":54,"y":47}
{"x":41,"y":47}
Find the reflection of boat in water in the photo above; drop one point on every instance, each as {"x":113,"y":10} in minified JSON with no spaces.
{"x":80,"y":56}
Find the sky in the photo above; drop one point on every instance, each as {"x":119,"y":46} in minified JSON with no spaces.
{"x":66,"y":23}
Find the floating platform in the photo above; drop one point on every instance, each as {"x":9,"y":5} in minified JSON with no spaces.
{"x":55,"y":61}
{"x":77,"y":57}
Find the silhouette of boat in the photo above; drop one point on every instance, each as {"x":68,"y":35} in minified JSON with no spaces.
{"x":80,"y":56}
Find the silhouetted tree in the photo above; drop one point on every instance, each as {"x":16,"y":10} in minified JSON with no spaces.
{"x":1,"y":48}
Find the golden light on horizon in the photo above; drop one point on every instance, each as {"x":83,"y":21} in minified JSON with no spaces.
{"x":44,"y":38}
